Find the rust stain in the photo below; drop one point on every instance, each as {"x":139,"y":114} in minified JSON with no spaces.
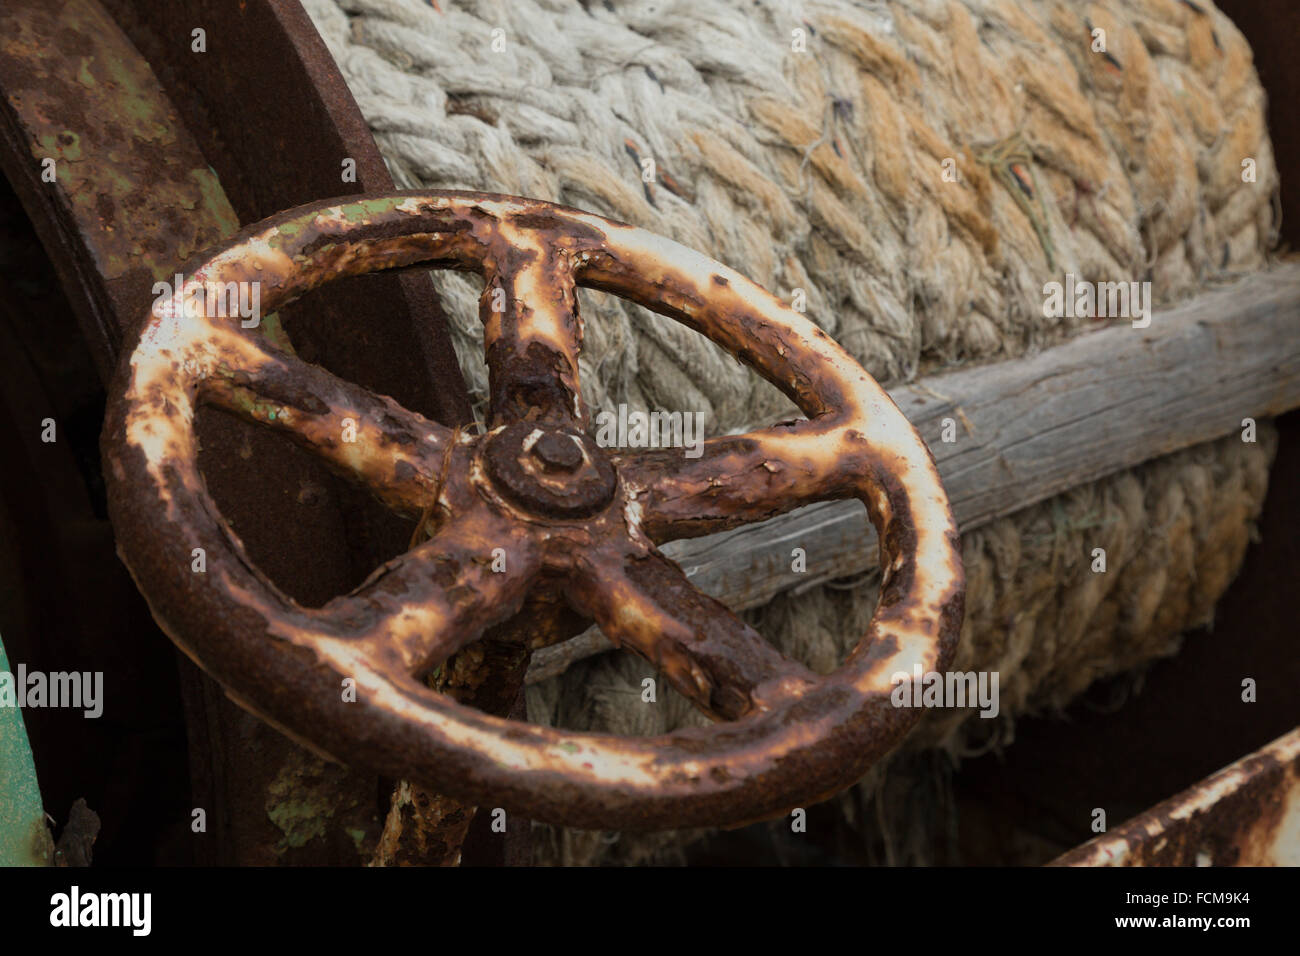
{"x":128,"y":171}
{"x":1247,"y":814}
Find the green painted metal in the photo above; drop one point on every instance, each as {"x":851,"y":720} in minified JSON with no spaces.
{"x":24,"y":838}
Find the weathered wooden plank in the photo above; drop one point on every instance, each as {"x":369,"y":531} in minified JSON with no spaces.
{"x":1031,"y":428}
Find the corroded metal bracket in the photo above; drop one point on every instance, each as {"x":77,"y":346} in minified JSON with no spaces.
{"x":533,"y":505}
{"x":1247,"y":814}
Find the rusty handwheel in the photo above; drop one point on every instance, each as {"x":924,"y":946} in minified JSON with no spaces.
{"x":533,"y":496}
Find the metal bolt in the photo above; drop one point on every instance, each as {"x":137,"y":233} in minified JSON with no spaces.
{"x":558,"y":452}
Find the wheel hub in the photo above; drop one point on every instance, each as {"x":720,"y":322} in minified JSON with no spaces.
{"x":551,"y":472}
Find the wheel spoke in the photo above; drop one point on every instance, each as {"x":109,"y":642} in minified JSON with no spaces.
{"x":739,"y":479}
{"x":371,"y":438}
{"x":644,"y":602}
{"x":417,"y":610}
{"x":532,"y":335}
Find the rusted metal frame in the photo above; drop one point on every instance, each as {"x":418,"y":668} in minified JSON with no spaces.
{"x":132,"y":195}
{"x":1247,"y":814}
{"x":77,"y":92}
{"x":796,"y":741}
{"x":276,"y":120}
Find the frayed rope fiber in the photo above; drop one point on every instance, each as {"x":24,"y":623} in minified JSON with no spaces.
{"x":912,"y":172}
{"x":822,"y":170}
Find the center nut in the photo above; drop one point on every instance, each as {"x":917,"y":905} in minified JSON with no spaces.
{"x":549,"y":471}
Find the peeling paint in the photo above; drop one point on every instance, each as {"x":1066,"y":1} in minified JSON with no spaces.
{"x":572,"y":528}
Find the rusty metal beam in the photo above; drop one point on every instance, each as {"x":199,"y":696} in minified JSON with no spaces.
{"x":273,"y":115}
{"x":1247,"y":814}
{"x":113,"y":182}
{"x":155,"y":158}
{"x":130,"y":198}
